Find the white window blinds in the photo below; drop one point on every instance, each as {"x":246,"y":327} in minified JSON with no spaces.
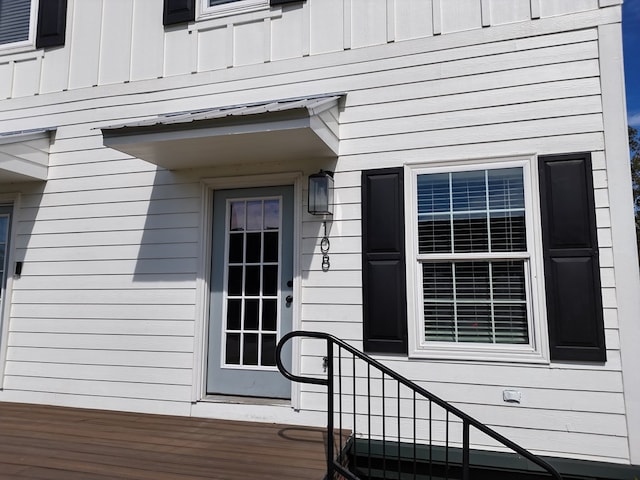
{"x":467,"y":221}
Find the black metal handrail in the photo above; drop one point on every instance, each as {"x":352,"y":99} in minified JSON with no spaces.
{"x":335,"y":462}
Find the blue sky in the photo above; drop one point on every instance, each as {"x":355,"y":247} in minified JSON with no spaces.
{"x":631,"y":38}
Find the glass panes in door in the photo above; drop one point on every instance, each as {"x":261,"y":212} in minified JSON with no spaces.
{"x":252,"y":278}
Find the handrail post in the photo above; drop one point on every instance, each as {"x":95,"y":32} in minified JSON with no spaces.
{"x":465,"y":449}
{"x":330,"y":466}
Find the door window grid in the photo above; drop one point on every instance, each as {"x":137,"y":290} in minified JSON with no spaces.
{"x":251,"y":307}
{"x":472,"y":249}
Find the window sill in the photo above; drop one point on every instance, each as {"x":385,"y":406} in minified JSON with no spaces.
{"x":14,"y":49}
{"x":488,"y":354}
{"x":207,"y":22}
{"x":237,"y":8}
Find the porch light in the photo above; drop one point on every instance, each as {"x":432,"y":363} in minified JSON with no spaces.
{"x":321,"y":193}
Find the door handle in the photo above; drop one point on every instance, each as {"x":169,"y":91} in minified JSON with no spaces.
{"x":289,"y":299}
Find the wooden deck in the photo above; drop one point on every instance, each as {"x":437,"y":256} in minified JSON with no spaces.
{"x":43,"y":442}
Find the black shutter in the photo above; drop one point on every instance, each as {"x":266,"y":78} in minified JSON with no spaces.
{"x":383,"y":261}
{"x":282,"y":2}
{"x":178,"y":11}
{"x":572,"y":270}
{"x":52,"y":23}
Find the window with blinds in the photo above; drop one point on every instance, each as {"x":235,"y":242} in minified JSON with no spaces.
{"x":472,"y":255}
{"x":15,"y":20}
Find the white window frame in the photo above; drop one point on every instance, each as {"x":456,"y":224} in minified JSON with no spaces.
{"x":233,"y":8}
{"x":536,"y":351}
{"x":29,"y":44}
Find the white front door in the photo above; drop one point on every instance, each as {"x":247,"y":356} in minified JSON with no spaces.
{"x":251,"y":290}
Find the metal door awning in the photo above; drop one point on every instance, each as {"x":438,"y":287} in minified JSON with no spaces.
{"x":285,"y":129}
{"x":24,"y":155}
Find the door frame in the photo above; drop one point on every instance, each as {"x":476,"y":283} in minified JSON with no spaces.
{"x":12,"y":200}
{"x":201,"y":334}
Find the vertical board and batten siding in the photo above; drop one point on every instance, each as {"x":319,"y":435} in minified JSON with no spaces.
{"x":105,"y":311}
{"x":119,"y":41}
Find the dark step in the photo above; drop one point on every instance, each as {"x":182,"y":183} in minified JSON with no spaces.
{"x":373,"y":460}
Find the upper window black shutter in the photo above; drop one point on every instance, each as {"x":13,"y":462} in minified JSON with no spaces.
{"x":281,"y":2}
{"x":52,"y":23}
{"x":572,"y":270}
{"x":178,"y":11}
{"x":383,"y":261}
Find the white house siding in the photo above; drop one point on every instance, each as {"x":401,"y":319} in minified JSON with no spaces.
{"x":104,"y":315}
{"x":108,"y":310}
{"x":116,"y":41}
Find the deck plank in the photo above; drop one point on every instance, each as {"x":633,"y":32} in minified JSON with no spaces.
{"x":50,"y":443}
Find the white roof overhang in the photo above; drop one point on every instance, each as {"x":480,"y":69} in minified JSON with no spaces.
{"x":259,"y":132}
{"x":24,"y":155}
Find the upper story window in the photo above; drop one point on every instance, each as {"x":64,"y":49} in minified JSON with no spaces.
{"x":229,"y":7}
{"x":16,"y":22}
{"x":474,"y":262}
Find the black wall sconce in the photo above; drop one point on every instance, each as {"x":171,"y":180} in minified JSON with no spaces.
{"x":320,"y":202}
{"x":321,"y":193}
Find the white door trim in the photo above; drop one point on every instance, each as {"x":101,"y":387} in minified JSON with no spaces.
{"x":201,"y":331}
{"x":12,"y":199}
